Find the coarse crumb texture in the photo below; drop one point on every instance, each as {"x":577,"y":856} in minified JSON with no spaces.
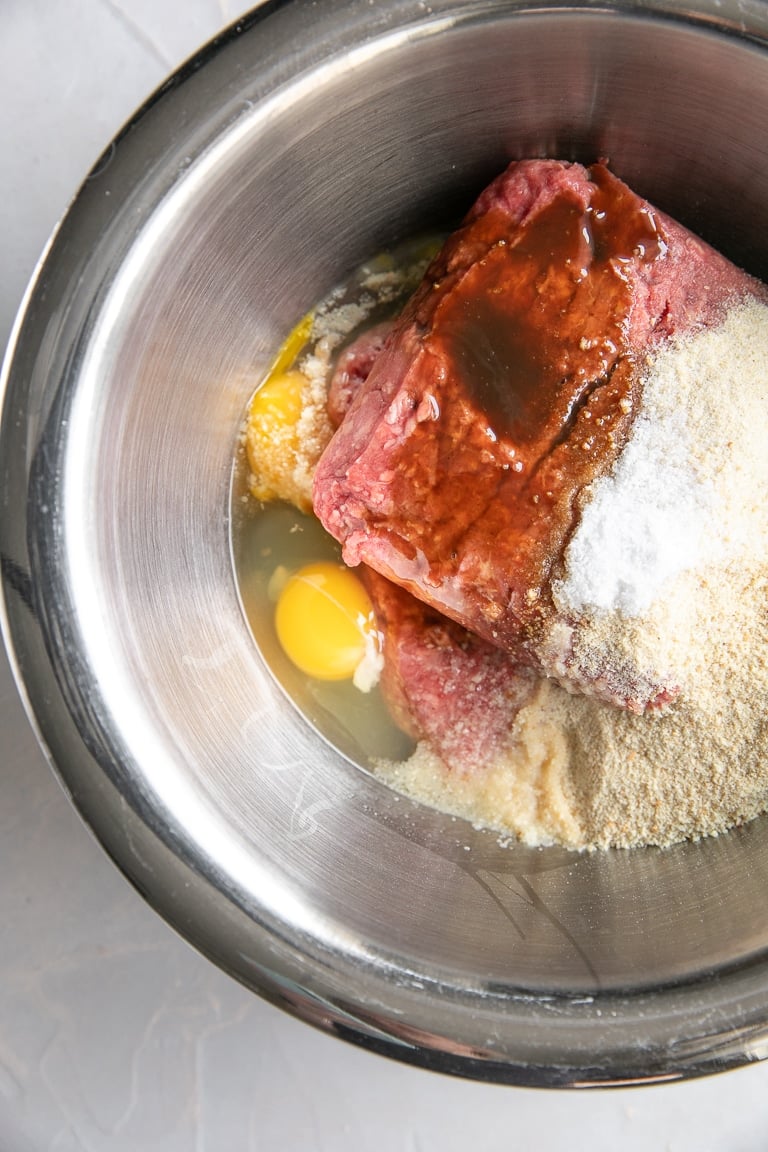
{"x":588,"y":775}
{"x":526,"y":793}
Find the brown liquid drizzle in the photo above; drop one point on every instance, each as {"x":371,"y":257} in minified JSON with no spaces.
{"x":520,"y":331}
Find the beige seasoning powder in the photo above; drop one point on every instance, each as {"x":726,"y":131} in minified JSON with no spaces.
{"x":588,"y":775}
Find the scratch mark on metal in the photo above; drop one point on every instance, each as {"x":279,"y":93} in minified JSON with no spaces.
{"x":541,"y":906}
{"x":498,"y":902}
{"x":214,"y":659}
{"x":303,"y":823}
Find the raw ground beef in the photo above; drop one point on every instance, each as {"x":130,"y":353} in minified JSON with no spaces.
{"x":441,"y":683}
{"x":508,"y":384}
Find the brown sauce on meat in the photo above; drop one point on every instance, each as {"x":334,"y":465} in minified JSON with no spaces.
{"x":512,"y":330}
{"x":525,"y":387}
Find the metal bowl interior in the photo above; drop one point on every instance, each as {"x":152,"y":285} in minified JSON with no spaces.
{"x":298,"y":145}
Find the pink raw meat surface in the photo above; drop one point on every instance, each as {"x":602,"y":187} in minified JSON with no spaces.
{"x":441,"y":683}
{"x":507,"y":385}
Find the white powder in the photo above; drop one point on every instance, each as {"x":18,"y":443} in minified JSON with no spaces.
{"x":643,"y":525}
{"x":681,"y":494}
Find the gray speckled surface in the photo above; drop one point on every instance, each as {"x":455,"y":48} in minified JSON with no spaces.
{"x":114,"y":1034}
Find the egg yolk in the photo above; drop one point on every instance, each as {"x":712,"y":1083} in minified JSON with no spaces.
{"x":271,"y":431}
{"x":324,"y":621}
{"x":272,"y":418}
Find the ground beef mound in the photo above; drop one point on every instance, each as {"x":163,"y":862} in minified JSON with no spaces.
{"x":507,"y":385}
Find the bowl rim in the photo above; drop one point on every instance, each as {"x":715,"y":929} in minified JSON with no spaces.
{"x":313,"y":984}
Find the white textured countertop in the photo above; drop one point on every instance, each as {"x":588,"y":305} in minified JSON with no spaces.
{"x":114,"y":1034}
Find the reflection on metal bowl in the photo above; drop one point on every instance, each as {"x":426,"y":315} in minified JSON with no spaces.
{"x":260,"y":175}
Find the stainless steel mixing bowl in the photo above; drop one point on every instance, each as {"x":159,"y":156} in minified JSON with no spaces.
{"x":267,"y":168}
